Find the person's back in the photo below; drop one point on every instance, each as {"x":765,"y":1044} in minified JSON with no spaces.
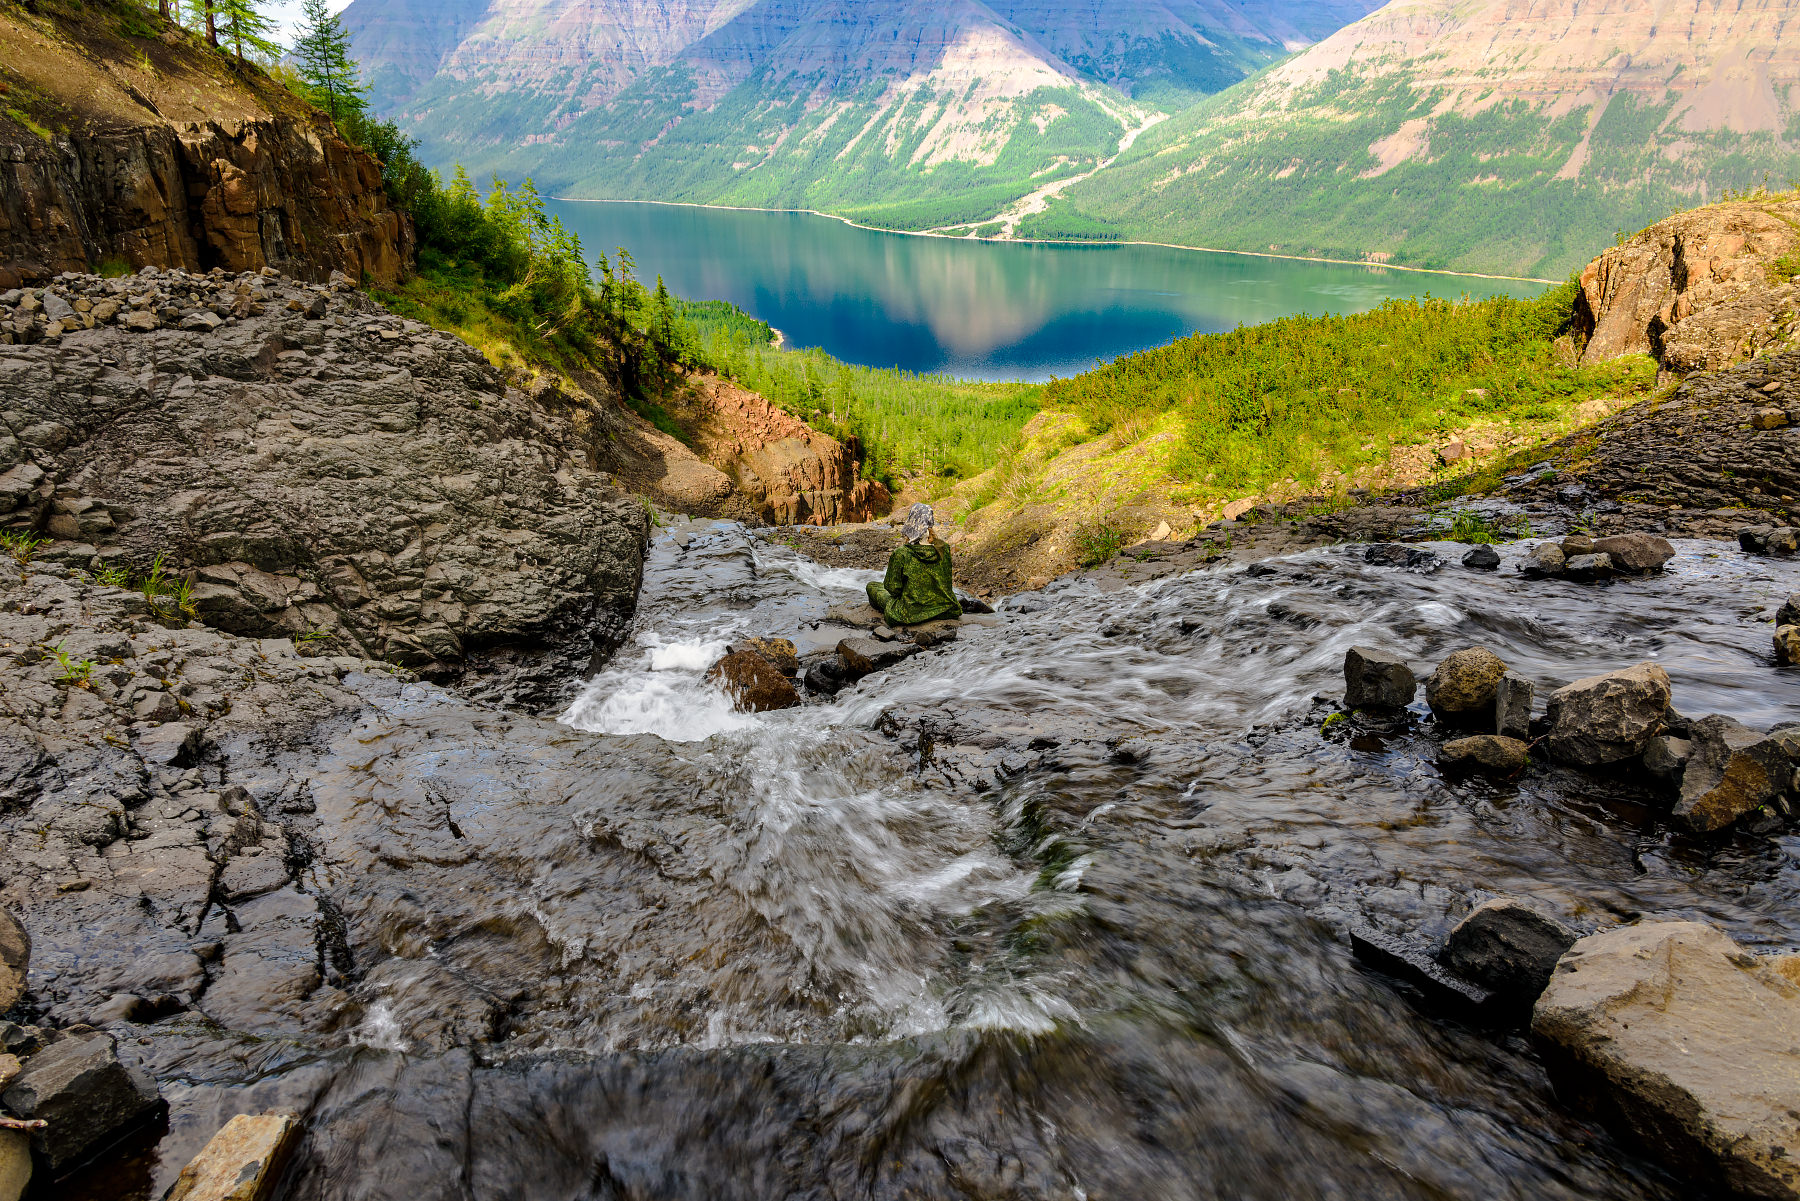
{"x":917,"y":586}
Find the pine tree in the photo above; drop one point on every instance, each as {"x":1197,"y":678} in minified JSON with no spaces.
{"x":239,"y":24}
{"x":323,"y":54}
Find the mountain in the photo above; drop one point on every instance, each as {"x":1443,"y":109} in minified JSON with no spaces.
{"x":1495,"y":135}
{"x":909,"y":114}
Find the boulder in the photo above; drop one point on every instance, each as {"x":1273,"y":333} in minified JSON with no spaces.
{"x":1689,"y":1045}
{"x":1787,"y":645}
{"x":1667,"y":756}
{"x":754,"y":684}
{"x":242,"y":1162}
{"x":1512,"y":705}
{"x":15,"y":960}
{"x":1607,"y":718}
{"x":1409,"y":960}
{"x":1731,"y":772}
{"x":861,"y":614}
{"x":973,"y":604}
{"x":1576,"y":544}
{"x":1489,"y":754}
{"x":1375,"y":679}
{"x":79,"y":1087}
{"x":1461,"y":690}
{"x":1482,"y":558}
{"x":1635,"y":553}
{"x":1789,"y":613}
{"x":826,"y":677}
{"x":864,"y":656}
{"x":1506,"y":945}
{"x":1545,"y":561}
{"x":1585,"y":569}
{"x":779,"y":651}
{"x":15,"y":1164}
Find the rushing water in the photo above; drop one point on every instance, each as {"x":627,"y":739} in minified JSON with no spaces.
{"x":980,"y":310}
{"x":1054,"y":911}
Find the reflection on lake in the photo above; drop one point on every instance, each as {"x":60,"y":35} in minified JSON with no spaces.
{"x":982,"y":310}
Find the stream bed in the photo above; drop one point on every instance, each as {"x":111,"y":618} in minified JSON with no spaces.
{"x":1057,"y":910}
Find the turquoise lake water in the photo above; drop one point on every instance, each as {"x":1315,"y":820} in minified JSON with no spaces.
{"x":980,"y":310}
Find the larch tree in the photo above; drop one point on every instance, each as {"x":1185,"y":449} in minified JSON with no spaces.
{"x":322,"y":53}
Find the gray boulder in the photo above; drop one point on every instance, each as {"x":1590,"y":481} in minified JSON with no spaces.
{"x":1489,"y":754}
{"x":1789,"y":613}
{"x":1545,"y":561}
{"x":79,"y":1087}
{"x":1512,"y":705}
{"x":1585,"y":569}
{"x":1636,"y":554}
{"x":1375,"y":679}
{"x":15,"y":959}
{"x":1506,"y":945}
{"x":1462,"y":689}
{"x":1687,"y":1042}
{"x":1732,"y":772}
{"x":1667,"y":756}
{"x":1482,"y":558}
{"x":1607,"y":718}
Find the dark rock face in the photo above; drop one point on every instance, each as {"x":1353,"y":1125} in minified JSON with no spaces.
{"x":1508,"y":946}
{"x":1789,"y":613}
{"x":86,"y":1095}
{"x":755,"y":684}
{"x":15,"y":959}
{"x":1462,"y":689}
{"x":1607,"y":718}
{"x":1375,"y":679}
{"x":1482,"y":558}
{"x":1512,"y":705}
{"x":354,"y":479}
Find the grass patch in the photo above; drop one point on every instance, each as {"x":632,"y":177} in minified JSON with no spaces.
{"x":1466,"y":525}
{"x":20,"y":545}
{"x":1305,"y":397}
{"x":71,"y":671}
{"x":1096,"y":544}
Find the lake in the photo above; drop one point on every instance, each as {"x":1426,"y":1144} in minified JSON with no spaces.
{"x":979,"y":310}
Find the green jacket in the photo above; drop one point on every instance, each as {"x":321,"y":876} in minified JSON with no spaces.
{"x":917,"y":587}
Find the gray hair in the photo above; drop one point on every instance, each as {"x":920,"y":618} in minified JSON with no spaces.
{"x":919,"y":520}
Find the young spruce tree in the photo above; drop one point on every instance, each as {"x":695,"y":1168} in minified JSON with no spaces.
{"x":322,"y":52}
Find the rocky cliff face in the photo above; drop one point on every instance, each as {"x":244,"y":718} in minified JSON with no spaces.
{"x":153,"y":151}
{"x":317,"y":469}
{"x":1699,"y":291}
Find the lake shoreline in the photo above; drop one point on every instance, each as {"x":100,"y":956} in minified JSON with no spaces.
{"x":910,"y":233}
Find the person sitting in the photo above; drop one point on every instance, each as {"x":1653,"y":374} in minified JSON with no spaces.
{"x":917,"y":586}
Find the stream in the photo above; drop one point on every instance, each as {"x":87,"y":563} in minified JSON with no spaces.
{"x":1056,"y":910}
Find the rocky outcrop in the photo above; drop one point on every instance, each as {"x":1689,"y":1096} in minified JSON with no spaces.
{"x":1690,"y":1045}
{"x":1607,"y":718}
{"x":82,"y":1093}
{"x":242,"y":1162}
{"x":1697,"y":291}
{"x":320,"y":469}
{"x":155,"y":151}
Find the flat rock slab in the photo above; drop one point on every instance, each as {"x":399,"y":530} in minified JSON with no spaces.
{"x":1412,"y":962}
{"x":1690,"y":1044}
{"x":86,"y":1095}
{"x":241,"y":1162}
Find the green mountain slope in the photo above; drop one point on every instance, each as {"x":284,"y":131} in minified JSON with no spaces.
{"x":1475,"y":137}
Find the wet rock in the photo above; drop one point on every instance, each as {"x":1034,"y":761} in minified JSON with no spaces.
{"x":826,"y":677}
{"x":1667,"y":756}
{"x":754,"y":684}
{"x":864,"y":656}
{"x":779,"y":651}
{"x":1512,"y":705}
{"x":242,"y":1162}
{"x":1482,"y":558}
{"x":933,"y":633}
{"x":860,"y":615}
{"x":1732,"y":772}
{"x":1412,"y":962}
{"x":1586,"y":569}
{"x":1490,"y":754}
{"x":1769,"y":540}
{"x":1635,"y":553}
{"x":1689,"y":1044}
{"x":15,"y":959}
{"x":1509,"y":946}
{"x":172,"y":744}
{"x":15,"y":1164}
{"x":1544,"y":561}
{"x":246,"y":876}
{"x":1787,"y":645}
{"x":1461,"y":691}
{"x":1789,"y":613}
{"x":87,"y":1096}
{"x":973,"y":604}
{"x":1607,"y":718}
{"x":1375,"y":679}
